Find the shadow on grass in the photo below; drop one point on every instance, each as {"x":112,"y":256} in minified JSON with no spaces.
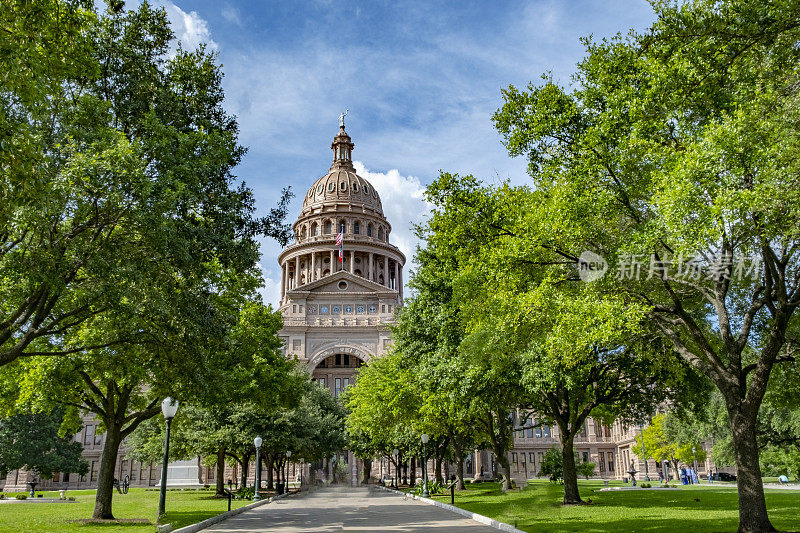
{"x":187,"y":518}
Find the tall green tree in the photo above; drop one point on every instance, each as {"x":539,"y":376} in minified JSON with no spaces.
{"x":34,"y":441}
{"x":116,"y":176}
{"x":676,"y":148}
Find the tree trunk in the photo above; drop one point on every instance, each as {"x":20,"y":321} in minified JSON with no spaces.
{"x":503,"y":468}
{"x":270,"y":475}
{"x":460,"y":458}
{"x":245,"y":470}
{"x":105,"y":479}
{"x":570,"y":474}
{"x":413,"y":480}
{"x":367,"y":470}
{"x":220,"y":488}
{"x":753,"y":516}
{"x":437,"y":468}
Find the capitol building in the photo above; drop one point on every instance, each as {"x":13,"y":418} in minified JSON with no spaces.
{"x":338,"y":300}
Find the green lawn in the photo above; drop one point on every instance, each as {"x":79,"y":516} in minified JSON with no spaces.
{"x":696,"y":508}
{"x":183,"y":508}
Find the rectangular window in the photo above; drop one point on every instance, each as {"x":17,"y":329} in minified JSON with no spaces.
{"x":346,"y":360}
{"x":322,"y":381}
{"x":346,"y":382}
{"x":296,"y":344}
{"x":513,"y":457}
{"x":538,"y":428}
{"x":585,"y":457}
{"x":338,"y":359}
{"x":98,"y":438}
{"x":338,"y":387}
{"x":529,"y":431}
{"x":583,"y":430}
{"x":94,"y":471}
{"x":546,"y":431}
{"x":89,"y":439}
{"x":383,"y":308}
{"x":134,"y":471}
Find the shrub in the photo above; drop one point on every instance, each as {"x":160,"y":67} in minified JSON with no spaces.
{"x":21,"y":496}
{"x":245,"y":493}
{"x":2,"y":496}
{"x":645,"y":485}
{"x":434,"y":487}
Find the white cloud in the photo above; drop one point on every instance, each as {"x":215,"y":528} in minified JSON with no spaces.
{"x":271,"y":290}
{"x":189,"y":28}
{"x":403,"y":206}
{"x":231,"y":14}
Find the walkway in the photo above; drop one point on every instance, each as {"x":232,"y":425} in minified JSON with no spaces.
{"x":342,"y":509}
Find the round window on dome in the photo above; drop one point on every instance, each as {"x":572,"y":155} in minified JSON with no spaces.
{"x":311,"y":192}
{"x":343,"y":185}
{"x":331,"y":186}
{"x":355,"y":186}
{"x":374,"y":193}
{"x":366,"y":189}
{"x":319,"y":189}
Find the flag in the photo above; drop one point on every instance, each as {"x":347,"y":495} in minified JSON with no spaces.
{"x":340,"y":244}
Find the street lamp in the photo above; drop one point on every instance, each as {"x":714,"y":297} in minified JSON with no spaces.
{"x":424,"y":466}
{"x":169,"y":408}
{"x":694,"y":461}
{"x":286,"y":478}
{"x":257,"y":441}
{"x":644,"y":455}
{"x":397,"y":467}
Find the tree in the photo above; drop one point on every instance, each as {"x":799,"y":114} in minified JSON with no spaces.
{"x":552,"y":465}
{"x":34,"y":442}
{"x":128,"y":247}
{"x":680,"y":143}
{"x":116,"y":176}
{"x":579,"y":349}
{"x":585,"y":469}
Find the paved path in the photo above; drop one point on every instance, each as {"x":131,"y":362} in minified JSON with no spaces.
{"x":342,"y":509}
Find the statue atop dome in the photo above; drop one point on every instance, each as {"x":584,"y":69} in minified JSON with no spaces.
{"x":341,"y":118}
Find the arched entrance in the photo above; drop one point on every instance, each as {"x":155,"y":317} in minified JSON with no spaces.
{"x":337,"y":371}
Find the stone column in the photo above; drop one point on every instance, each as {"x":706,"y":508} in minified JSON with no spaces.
{"x":297,"y":271}
{"x":400,"y":284}
{"x":313,"y":274}
{"x":283,"y":282}
{"x":386,"y":270}
{"x":332,"y":258}
{"x":352,"y":261}
{"x":371,"y":277}
{"x":396,"y":275}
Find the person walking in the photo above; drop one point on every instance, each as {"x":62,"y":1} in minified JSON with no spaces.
{"x":783,"y":479}
{"x":661,"y":476}
{"x":683,"y":476}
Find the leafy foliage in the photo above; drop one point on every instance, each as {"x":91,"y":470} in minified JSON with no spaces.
{"x":32,"y":441}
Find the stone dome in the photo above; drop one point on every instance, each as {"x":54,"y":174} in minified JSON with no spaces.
{"x":342,"y":185}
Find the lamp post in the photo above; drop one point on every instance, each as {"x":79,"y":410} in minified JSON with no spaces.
{"x":169,"y":408}
{"x":397,"y":467}
{"x":694,"y":462}
{"x":644,"y":455}
{"x":286,"y":477}
{"x":424,"y":440}
{"x":257,"y":441}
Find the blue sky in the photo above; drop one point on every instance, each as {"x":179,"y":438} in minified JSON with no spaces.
{"x":421,"y":82}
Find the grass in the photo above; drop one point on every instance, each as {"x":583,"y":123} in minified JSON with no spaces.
{"x":183,"y":508}
{"x":698,"y":508}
